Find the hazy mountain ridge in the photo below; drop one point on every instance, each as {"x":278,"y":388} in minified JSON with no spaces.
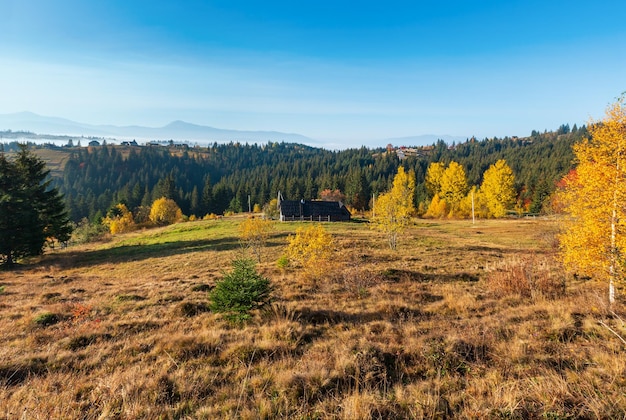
{"x":176,"y":130}
{"x":187,"y":132}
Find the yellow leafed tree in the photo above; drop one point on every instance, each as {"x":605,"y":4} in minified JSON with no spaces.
{"x":433,"y":177}
{"x":310,"y":248}
{"x":497,"y":189}
{"x":393,"y":210}
{"x":453,"y":187}
{"x":593,"y":241}
{"x":254,"y":232}
{"x":119,"y":220}
{"x":165,"y":211}
{"x":437,"y":208}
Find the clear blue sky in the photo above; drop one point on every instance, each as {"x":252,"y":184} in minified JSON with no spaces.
{"x":341,"y":72}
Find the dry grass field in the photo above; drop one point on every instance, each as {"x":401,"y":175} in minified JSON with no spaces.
{"x":462,"y":321}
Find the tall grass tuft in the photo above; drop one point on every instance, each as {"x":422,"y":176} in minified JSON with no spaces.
{"x":527,"y":276}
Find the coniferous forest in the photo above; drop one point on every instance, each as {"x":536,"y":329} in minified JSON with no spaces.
{"x":219,"y":178}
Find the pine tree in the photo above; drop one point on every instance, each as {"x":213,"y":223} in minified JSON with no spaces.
{"x":31,"y":212}
{"x":241,"y":291}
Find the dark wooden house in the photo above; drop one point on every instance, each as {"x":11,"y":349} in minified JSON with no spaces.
{"x":313,"y":211}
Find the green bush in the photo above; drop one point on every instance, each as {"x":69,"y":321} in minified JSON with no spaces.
{"x":240,"y":291}
{"x":46,"y":319}
{"x":283,"y":262}
{"x":85,"y":232}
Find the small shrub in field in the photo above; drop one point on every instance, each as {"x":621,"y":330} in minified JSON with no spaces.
{"x":46,"y":319}
{"x":240,"y":291}
{"x":88,"y":232}
{"x":254,"y":232}
{"x":310,"y":248}
{"x":270,"y":210}
{"x":129,"y":298}
{"x":283,"y":261}
{"x":526,"y":277}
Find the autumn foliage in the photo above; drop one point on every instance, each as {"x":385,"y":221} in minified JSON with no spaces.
{"x":332,"y":195}
{"x":253,"y":233}
{"x":453,"y":198}
{"x":448,"y":185}
{"x":165,"y":211}
{"x":393,"y":210}
{"x":119,"y":220}
{"x":310,"y":248}
{"x":497,"y":190}
{"x":593,"y":241}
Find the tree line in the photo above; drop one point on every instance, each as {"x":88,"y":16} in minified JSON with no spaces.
{"x":227,"y":177}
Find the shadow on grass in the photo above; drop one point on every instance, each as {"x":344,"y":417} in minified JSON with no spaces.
{"x":397,"y":275}
{"x":327,"y":316}
{"x":125,"y":253}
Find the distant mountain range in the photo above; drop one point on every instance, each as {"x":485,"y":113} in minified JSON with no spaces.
{"x":176,"y":130}
{"x":182,"y":131}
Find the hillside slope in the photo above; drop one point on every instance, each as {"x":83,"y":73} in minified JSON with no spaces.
{"x":121,"y":330}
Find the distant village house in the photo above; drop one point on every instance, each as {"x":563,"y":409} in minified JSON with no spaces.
{"x":312,"y":211}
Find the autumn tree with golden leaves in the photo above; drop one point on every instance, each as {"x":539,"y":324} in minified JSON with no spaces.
{"x":498,"y":189}
{"x":253,"y":233}
{"x":593,"y":241}
{"x":311,"y":249}
{"x":448,"y":185}
{"x":165,"y":211}
{"x":393,"y":210}
{"x":119,"y":220}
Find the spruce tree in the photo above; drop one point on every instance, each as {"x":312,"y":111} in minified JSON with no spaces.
{"x":30,"y":211}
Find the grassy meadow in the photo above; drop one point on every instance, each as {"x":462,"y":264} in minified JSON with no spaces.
{"x":461,"y":321}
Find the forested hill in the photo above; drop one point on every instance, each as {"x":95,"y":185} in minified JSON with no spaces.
{"x":220,"y":178}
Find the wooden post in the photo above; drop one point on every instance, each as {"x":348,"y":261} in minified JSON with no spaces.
{"x":473,"y":218}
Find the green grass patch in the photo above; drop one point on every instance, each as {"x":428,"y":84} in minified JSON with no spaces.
{"x":46,"y":319}
{"x":129,"y":298}
{"x":181,"y":238}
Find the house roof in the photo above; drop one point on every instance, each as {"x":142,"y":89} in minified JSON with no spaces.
{"x":307,"y":208}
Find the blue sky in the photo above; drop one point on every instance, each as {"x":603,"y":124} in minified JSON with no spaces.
{"x":344,"y":73}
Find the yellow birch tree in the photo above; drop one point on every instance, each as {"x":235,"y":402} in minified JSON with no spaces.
{"x":433,"y":177}
{"x":119,"y":220}
{"x":437,"y":208}
{"x":393,"y":209}
{"x":498,"y":189}
{"x":254,"y":232}
{"x":165,"y":211}
{"x":593,"y":241}
{"x":453,"y":187}
{"x":311,"y":249}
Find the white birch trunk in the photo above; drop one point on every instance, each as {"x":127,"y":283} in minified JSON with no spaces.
{"x":613,"y":263}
